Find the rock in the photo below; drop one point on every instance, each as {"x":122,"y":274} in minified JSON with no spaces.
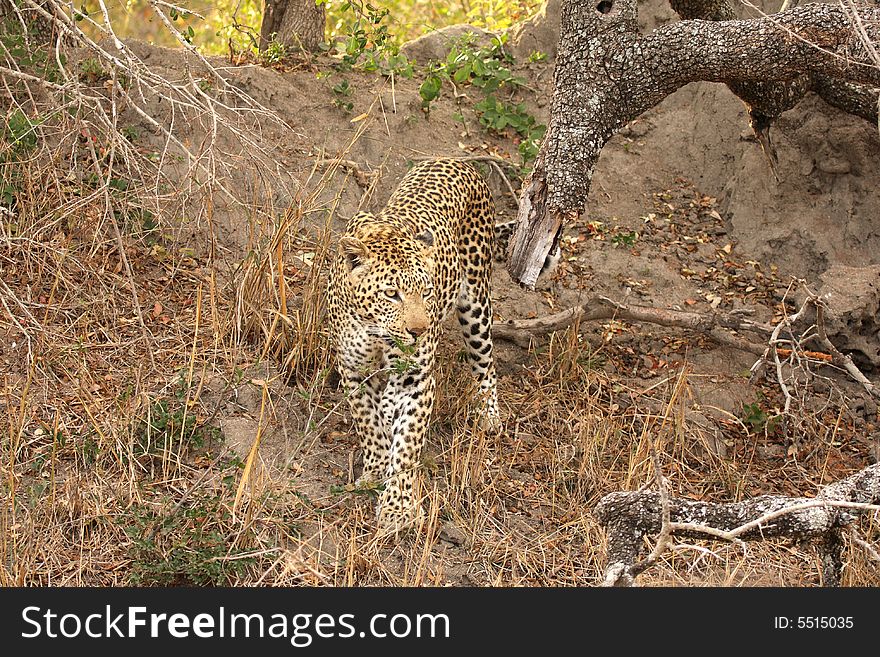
{"x":875,"y":447}
{"x":835,"y":165}
{"x":771,"y":451}
{"x":451,"y":534}
{"x":635,"y":129}
{"x":852,"y":297}
{"x":705,"y":433}
{"x":540,"y":33}
{"x":436,"y":45}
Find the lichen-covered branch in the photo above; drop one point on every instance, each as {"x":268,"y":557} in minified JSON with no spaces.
{"x":767,"y":99}
{"x":608,"y":74}
{"x":629,"y":516}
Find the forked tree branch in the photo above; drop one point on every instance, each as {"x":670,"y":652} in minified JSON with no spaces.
{"x":520,"y":331}
{"x":607,"y":74}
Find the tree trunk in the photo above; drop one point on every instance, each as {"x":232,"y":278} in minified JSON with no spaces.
{"x":296,"y":24}
{"x":608,"y":74}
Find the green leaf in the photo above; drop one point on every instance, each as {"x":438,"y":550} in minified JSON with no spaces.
{"x":118,"y":184}
{"x":430,"y":88}
{"x":462,"y":74}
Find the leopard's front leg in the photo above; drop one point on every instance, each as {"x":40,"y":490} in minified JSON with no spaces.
{"x":364,"y":394}
{"x":407,"y":404}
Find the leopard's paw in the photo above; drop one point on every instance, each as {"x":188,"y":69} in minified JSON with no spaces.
{"x":395,"y":517}
{"x":369,"y":479}
{"x":394,"y":523}
{"x":490,"y":422}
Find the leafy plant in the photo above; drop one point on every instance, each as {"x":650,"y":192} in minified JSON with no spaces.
{"x":188,"y":547}
{"x":19,"y":132}
{"x":405,"y":362}
{"x":430,"y":90}
{"x":91,"y":71}
{"x":627,"y":239}
{"x":188,"y":34}
{"x":8,"y":194}
{"x":537,"y":56}
{"x":171,"y":427}
{"x":498,"y":116}
{"x":275,"y":51}
{"x":367,"y":43}
{"x":130,"y":132}
{"x":758,"y":419}
{"x":343,"y":91}
{"x":487,"y":67}
{"x":87,"y":449}
{"x":31,"y":55}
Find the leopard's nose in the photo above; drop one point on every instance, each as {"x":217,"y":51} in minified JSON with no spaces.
{"x":416,"y":331}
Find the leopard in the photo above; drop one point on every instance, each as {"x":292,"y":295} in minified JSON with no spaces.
{"x":394,"y":279}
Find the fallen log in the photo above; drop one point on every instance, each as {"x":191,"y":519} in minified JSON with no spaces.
{"x":629,"y":516}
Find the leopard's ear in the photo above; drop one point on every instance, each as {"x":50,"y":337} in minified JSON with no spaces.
{"x":426,"y":239}
{"x":356,"y":255}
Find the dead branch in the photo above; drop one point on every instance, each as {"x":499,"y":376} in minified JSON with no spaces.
{"x":520,"y":331}
{"x":92,"y":121}
{"x":792,"y":354}
{"x":791,"y":361}
{"x":134,"y":84}
{"x":629,"y":516}
{"x":787,"y":353}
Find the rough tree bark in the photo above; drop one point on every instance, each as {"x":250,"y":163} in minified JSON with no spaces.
{"x":608,"y":74}
{"x":297,"y":24}
{"x":629,"y":516}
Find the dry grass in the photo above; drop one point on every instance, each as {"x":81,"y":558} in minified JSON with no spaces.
{"x":114,"y":473}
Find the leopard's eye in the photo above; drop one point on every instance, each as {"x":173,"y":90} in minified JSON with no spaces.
{"x":428,"y":292}
{"x":392,"y":293}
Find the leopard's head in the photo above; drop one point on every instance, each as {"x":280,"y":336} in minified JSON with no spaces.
{"x":391,"y":277}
